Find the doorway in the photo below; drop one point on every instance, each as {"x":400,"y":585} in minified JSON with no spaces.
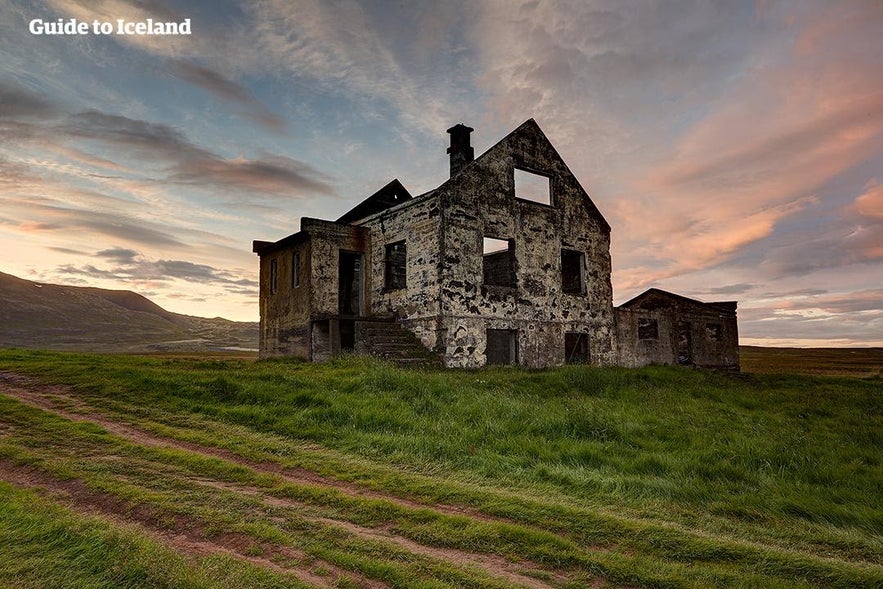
{"x":349,"y":281}
{"x":685,"y":343}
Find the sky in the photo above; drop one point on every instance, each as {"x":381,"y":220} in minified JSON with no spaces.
{"x":736,"y":148}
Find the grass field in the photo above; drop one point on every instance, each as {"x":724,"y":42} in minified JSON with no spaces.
{"x":125,"y":471}
{"x":863,"y":362}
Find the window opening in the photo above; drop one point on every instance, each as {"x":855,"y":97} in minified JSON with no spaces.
{"x":395,"y":276}
{"x":533,"y":187}
{"x":648,"y":329}
{"x":498,"y":262}
{"x":573,"y":272}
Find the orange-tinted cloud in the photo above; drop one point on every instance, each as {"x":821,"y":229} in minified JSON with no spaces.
{"x":870,"y":203}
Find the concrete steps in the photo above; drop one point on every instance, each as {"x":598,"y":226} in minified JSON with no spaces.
{"x":388,"y":340}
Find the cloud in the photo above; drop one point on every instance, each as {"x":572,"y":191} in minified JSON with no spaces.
{"x":854,"y":237}
{"x":119,"y":226}
{"x":270,"y":175}
{"x":760,"y":163}
{"x":757,"y":164}
{"x":137,"y":136}
{"x":852,"y":302}
{"x":227,"y":90}
{"x":870,"y":203}
{"x":130,"y":266}
{"x":17,"y":102}
{"x":416,"y":65}
{"x":118,"y":254}
{"x":166,"y":150}
{"x":730,"y":289}
{"x":67,"y":250}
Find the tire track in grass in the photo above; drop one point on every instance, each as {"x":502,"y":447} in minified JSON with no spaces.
{"x":33,"y":392}
{"x":496,"y":565}
{"x":184,"y":535}
{"x":41,"y":396}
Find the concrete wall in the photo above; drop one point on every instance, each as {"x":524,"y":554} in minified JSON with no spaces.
{"x":480,"y":202}
{"x":712,"y":337}
{"x":327,"y":240}
{"x":285,"y":314}
{"x":416,"y":307}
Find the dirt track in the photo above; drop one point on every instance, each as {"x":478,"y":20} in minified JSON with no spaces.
{"x":190,"y":537}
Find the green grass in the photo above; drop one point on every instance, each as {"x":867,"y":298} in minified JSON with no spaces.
{"x":45,"y":545}
{"x":651,"y":477}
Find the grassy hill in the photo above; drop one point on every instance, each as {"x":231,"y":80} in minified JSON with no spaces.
{"x":49,"y":316}
{"x":166,"y":472}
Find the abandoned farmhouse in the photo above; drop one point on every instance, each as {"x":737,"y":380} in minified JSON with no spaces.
{"x":507,"y":262}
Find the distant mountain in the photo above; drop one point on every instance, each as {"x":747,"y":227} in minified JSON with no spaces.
{"x":52,"y":316}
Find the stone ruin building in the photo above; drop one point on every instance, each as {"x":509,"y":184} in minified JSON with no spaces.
{"x":507,"y":262}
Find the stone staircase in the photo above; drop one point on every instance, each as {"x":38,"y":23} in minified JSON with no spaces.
{"x":388,"y":340}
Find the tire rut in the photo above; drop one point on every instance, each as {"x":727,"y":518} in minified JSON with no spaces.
{"x":32,"y":392}
{"x":180,"y":532}
{"x":497,"y":566}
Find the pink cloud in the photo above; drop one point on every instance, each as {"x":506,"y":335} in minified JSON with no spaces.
{"x":763,"y":152}
{"x":870,"y":203}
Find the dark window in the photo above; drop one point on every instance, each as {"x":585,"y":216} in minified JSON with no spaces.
{"x":648,"y":329}
{"x":274,"y":275}
{"x":714,"y":332}
{"x":532,"y":187}
{"x":499,"y":262}
{"x":502,"y":346}
{"x":576,"y":348}
{"x":396,"y":259}
{"x":349,"y":283}
{"x":573,"y":272}
{"x":295,"y":270}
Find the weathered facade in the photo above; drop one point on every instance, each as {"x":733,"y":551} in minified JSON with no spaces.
{"x":508,"y":261}
{"x":658,"y":327}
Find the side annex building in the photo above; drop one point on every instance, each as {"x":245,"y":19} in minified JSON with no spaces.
{"x":507,"y":262}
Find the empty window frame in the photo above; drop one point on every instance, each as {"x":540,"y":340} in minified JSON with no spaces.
{"x":573,"y":272}
{"x":295,"y":269}
{"x":576,"y":348}
{"x":714,"y":332}
{"x":502,"y":347}
{"x":533,"y":187}
{"x":395,"y":260}
{"x":274,"y":275}
{"x":498,"y":262}
{"x":648,"y":329}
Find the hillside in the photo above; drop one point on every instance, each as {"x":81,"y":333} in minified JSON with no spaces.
{"x":55,"y":317}
{"x":138,"y":471}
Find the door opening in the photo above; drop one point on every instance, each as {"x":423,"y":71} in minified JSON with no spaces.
{"x":350,"y":283}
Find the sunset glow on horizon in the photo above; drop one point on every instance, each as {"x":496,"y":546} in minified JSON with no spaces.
{"x":735,"y":148}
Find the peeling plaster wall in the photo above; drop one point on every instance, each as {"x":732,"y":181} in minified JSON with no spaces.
{"x":328,"y":239}
{"x":285,"y":314}
{"x":705,"y":350}
{"x":416,"y":307}
{"x":480,"y":202}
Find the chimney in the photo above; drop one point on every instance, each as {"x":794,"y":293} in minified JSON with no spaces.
{"x":460,"y":150}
